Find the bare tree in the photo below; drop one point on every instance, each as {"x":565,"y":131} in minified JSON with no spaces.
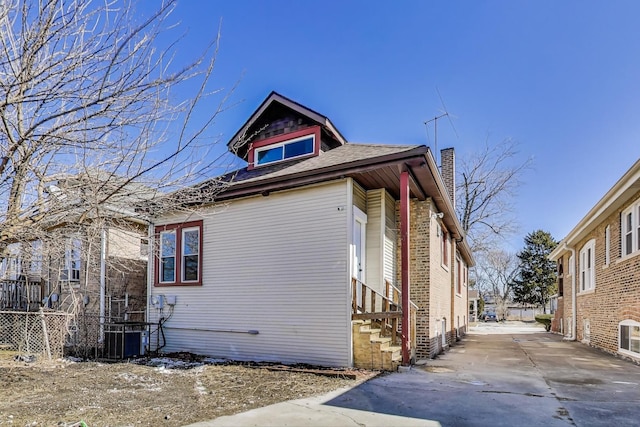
{"x":497,"y":271}
{"x":486,"y":186}
{"x":97,"y":118}
{"x":88,"y":89}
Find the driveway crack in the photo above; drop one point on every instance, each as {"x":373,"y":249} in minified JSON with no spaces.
{"x":561,"y":412}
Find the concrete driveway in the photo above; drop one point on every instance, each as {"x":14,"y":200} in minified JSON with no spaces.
{"x":506,"y":374}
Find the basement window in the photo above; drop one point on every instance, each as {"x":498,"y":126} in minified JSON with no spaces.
{"x":629,"y":338}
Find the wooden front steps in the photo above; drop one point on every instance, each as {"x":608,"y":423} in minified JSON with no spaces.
{"x":371,"y":351}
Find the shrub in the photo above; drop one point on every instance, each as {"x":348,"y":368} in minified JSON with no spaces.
{"x":545,"y":319}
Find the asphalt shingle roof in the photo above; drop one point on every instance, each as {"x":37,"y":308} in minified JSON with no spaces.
{"x":343,"y":155}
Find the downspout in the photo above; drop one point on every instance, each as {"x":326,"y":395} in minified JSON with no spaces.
{"x":573,"y":293}
{"x":150,"y":278}
{"x":103,"y":279}
{"x":404,"y":259}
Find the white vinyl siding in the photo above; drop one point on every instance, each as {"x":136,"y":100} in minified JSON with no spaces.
{"x":390,"y":245}
{"x":375,"y":241}
{"x":390,"y":256}
{"x":277,"y":265}
{"x":381,"y":239}
{"x":359,"y":197}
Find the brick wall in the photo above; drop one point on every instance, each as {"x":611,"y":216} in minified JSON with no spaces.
{"x":460,"y":306}
{"x":617,"y":291}
{"x":557,"y":323}
{"x":441,"y":296}
{"x":430,"y":282}
{"x":125,"y":275}
{"x":419,"y":247}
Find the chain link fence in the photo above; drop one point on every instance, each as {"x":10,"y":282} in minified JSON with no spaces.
{"x":41,"y":333}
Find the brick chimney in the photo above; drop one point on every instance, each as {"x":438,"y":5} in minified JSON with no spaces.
{"x":448,"y":172}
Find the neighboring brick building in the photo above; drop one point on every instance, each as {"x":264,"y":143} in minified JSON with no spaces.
{"x":599,"y":272}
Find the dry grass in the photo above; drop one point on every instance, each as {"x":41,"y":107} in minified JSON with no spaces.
{"x":125,"y":394}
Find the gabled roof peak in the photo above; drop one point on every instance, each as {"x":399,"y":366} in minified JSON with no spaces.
{"x":278,"y":114}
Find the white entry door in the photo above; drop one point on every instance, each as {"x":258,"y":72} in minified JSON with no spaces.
{"x":358,"y":248}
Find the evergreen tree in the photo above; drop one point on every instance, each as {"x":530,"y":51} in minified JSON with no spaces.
{"x":537,"y":277}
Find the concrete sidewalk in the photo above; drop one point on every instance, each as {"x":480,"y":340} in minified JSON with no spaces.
{"x":312,"y":412}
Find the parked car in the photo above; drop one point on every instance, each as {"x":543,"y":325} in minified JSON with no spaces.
{"x":490,"y":317}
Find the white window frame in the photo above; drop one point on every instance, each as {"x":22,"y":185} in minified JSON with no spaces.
{"x":587,"y":262}
{"x":627,"y":351}
{"x":162,"y":256}
{"x":630,"y":227}
{"x":184,"y":255}
{"x":72,"y":260}
{"x":283,"y":144}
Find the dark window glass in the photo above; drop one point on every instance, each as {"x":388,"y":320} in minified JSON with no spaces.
{"x":298,"y":148}
{"x":624,"y":337}
{"x":168,"y":269}
{"x":634,"y":334}
{"x":190,"y":268}
{"x":270,"y":155}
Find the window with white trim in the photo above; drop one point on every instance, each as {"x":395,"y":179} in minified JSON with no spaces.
{"x":168,"y":256}
{"x":190,"y":254}
{"x":72,"y":257}
{"x":630,"y":229}
{"x":629,"y":338}
{"x":179,"y":255}
{"x":587,"y":266}
{"x":285,"y":150}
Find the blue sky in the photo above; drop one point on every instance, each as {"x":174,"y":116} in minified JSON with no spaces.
{"x":560,"y":77}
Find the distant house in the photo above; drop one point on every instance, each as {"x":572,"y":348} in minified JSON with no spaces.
{"x":313,"y":250}
{"x":598,"y":299}
{"x":95,"y":256}
{"x":474,"y":302}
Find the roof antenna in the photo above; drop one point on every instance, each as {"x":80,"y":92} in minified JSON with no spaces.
{"x":435,"y":132}
{"x":445,"y":113}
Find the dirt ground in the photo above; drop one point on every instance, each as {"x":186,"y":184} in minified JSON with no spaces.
{"x":172,"y":392}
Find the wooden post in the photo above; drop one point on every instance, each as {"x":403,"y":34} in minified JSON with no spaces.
{"x":404,"y":256}
{"x":354,"y":298}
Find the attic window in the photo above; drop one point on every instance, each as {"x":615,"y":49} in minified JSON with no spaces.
{"x":286,"y":150}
